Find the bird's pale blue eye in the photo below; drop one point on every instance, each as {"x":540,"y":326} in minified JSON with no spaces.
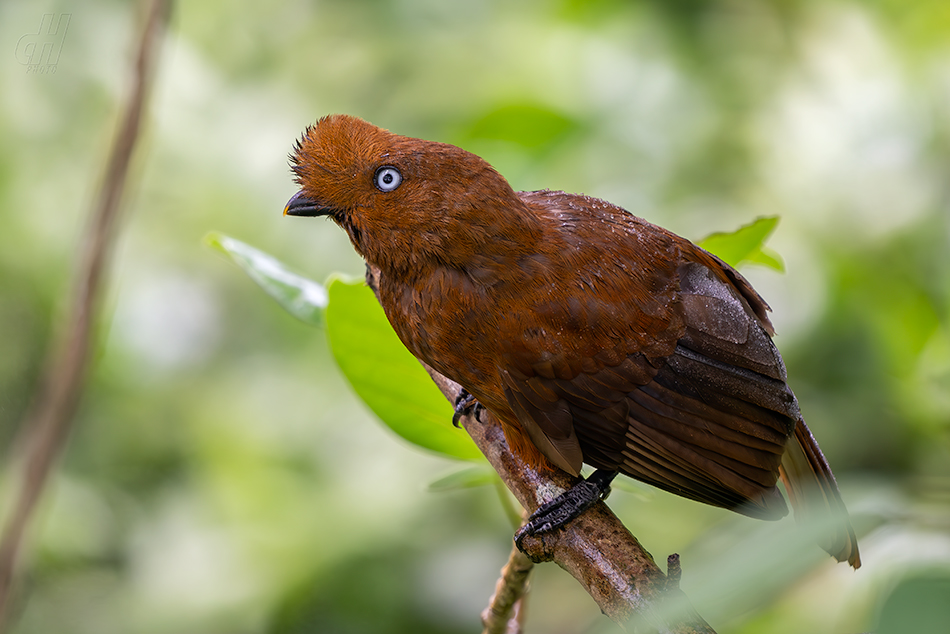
{"x":387,"y":178}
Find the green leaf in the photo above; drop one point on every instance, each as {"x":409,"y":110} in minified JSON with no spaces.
{"x":529,"y":125}
{"x":769,"y":258}
{"x":919,"y":603}
{"x":301,"y":297}
{"x":467,"y":477}
{"x":746,"y":244}
{"x":386,"y":376}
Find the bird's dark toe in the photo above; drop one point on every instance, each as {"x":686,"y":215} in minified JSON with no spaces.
{"x":464,"y":404}
{"x":565,"y":507}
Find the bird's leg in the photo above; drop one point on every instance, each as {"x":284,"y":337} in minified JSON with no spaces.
{"x":465,"y":403}
{"x":568,"y":505}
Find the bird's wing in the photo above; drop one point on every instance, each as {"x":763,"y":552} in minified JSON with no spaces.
{"x":708,"y":421}
{"x":581,"y":419}
{"x":714,"y":422}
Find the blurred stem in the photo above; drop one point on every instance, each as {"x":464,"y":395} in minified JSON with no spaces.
{"x":506,"y":611}
{"x":511,"y":512}
{"x":45,"y":429}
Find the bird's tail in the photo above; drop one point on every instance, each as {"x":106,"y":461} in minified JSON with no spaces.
{"x":814,"y":495}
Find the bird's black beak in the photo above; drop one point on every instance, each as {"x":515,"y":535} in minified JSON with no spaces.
{"x":300,"y":205}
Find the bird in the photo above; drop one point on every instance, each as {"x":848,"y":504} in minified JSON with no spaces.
{"x":591,"y":335}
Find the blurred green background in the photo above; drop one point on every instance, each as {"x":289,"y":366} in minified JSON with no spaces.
{"x":222,"y":477}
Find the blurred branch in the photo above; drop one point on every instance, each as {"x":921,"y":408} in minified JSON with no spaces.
{"x":597,"y":549}
{"x":505,"y":611}
{"x":45,"y":429}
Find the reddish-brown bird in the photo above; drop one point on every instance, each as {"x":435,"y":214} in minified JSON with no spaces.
{"x":591,"y":334}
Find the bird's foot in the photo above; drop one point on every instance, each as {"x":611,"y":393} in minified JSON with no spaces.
{"x":565,"y":507}
{"x":465,"y":404}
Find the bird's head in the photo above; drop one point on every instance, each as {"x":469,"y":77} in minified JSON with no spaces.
{"x":404,"y":202}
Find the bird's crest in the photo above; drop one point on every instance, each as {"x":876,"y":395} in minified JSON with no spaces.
{"x":332,"y":154}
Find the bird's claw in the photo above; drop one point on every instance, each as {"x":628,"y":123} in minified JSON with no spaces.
{"x":565,"y":507}
{"x":465,"y":403}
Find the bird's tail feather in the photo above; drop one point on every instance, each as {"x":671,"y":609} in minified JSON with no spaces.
{"x":814,"y":495}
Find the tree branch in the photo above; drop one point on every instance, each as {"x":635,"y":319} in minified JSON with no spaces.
{"x":46,"y":427}
{"x":596,"y":549}
{"x":502,"y":616}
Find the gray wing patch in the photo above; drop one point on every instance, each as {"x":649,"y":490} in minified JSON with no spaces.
{"x":721,"y":325}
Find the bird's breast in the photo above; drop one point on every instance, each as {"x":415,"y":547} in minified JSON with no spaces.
{"x":447,"y":321}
